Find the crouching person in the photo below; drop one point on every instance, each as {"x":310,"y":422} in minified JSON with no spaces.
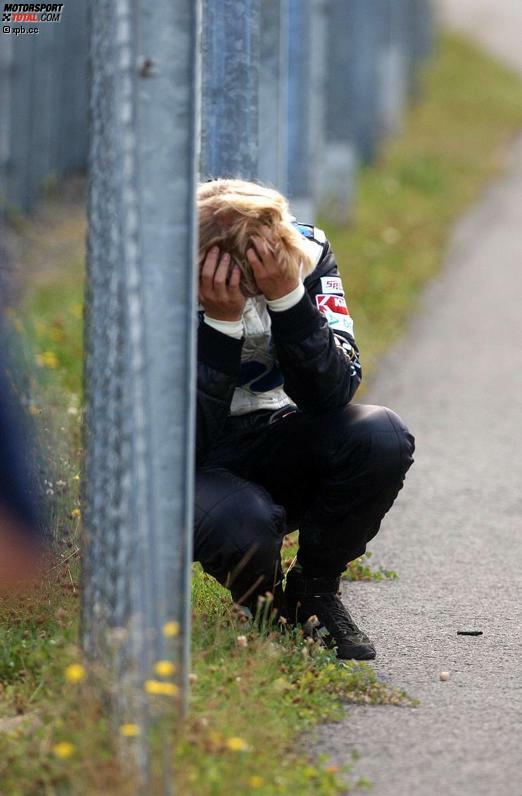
{"x":280,"y":445}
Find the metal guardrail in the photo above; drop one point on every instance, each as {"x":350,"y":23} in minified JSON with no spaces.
{"x":314,"y":84}
{"x":140,"y":348}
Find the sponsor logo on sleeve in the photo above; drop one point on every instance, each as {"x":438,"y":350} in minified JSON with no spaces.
{"x":336,"y":312}
{"x":332,"y":284}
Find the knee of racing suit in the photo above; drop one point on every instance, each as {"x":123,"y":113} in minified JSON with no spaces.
{"x":368,"y":439}
{"x":240,"y":543}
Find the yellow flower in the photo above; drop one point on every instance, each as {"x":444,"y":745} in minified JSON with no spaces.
{"x":236,"y":744}
{"x":75,"y":513}
{"x":75,"y":673}
{"x":171,"y":629}
{"x":47,"y":360}
{"x":129,"y":730}
{"x":256,"y":782}
{"x":157,"y":687}
{"x":63,"y":750}
{"x":76,"y":477}
{"x":164,"y":668}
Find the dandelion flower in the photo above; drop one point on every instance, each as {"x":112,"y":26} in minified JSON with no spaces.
{"x":256,"y":782}
{"x":63,"y":750}
{"x":47,"y":359}
{"x":75,"y":673}
{"x":129,"y":730}
{"x":163,"y":689}
{"x":76,"y":513}
{"x":236,"y":744}
{"x":164,"y":668}
{"x":171,"y":629}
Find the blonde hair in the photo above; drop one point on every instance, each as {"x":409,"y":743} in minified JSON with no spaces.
{"x":232,"y":210}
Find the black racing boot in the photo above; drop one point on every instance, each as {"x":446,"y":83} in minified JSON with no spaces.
{"x":314,"y":604}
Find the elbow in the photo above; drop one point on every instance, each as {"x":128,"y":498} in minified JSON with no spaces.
{"x":343,"y":393}
{"x":353,"y":386}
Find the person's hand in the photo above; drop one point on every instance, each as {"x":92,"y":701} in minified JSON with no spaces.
{"x":270,"y":280}
{"x":219,"y":291}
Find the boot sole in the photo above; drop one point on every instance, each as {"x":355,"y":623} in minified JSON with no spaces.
{"x":368,"y":656}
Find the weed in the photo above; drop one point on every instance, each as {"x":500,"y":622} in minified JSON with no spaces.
{"x":360,"y":569}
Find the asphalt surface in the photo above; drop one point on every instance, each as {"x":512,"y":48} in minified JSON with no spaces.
{"x":496,"y":24}
{"x":455,"y":533}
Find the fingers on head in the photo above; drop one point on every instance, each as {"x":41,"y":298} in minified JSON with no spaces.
{"x":222,"y":269}
{"x":209,"y":264}
{"x":253,"y":257}
{"x":235,"y":277}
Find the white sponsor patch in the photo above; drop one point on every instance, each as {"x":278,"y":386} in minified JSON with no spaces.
{"x":336,"y":312}
{"x":332,"y":284}
{"x":340,"y":322}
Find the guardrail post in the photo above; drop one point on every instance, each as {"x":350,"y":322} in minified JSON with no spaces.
{"x":140,"y":350}
{"x":231,"y":50}
{"x":306,"y":82}
{"x":273,"y":94}
{"x":393,"y":65}
{"x":340,"y":157}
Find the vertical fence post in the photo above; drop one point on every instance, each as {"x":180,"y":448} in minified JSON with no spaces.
{"x":140,"y":347}
{"x":6,"y":56}
{"x":273,"y":93}
{"x":316,"y":99}
{"x":393,"y":65}
{"x":231,"y":49}
{"x":6,"y":87}
{"x":306,"y":31}
{"x":420,"y":27}
{"x":70,"y":64}
{"x":20,"y":187}
{"x":49,"y":122}
{"x":340,"y":154}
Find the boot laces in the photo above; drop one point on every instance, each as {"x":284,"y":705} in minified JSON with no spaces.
{"x":336,"y":615}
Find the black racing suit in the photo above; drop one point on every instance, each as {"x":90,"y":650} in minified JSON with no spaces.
{"x":322,"y":464}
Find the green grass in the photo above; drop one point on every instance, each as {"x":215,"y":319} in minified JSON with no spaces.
{"x":266,"y":690}
{"x":250,"y":700}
